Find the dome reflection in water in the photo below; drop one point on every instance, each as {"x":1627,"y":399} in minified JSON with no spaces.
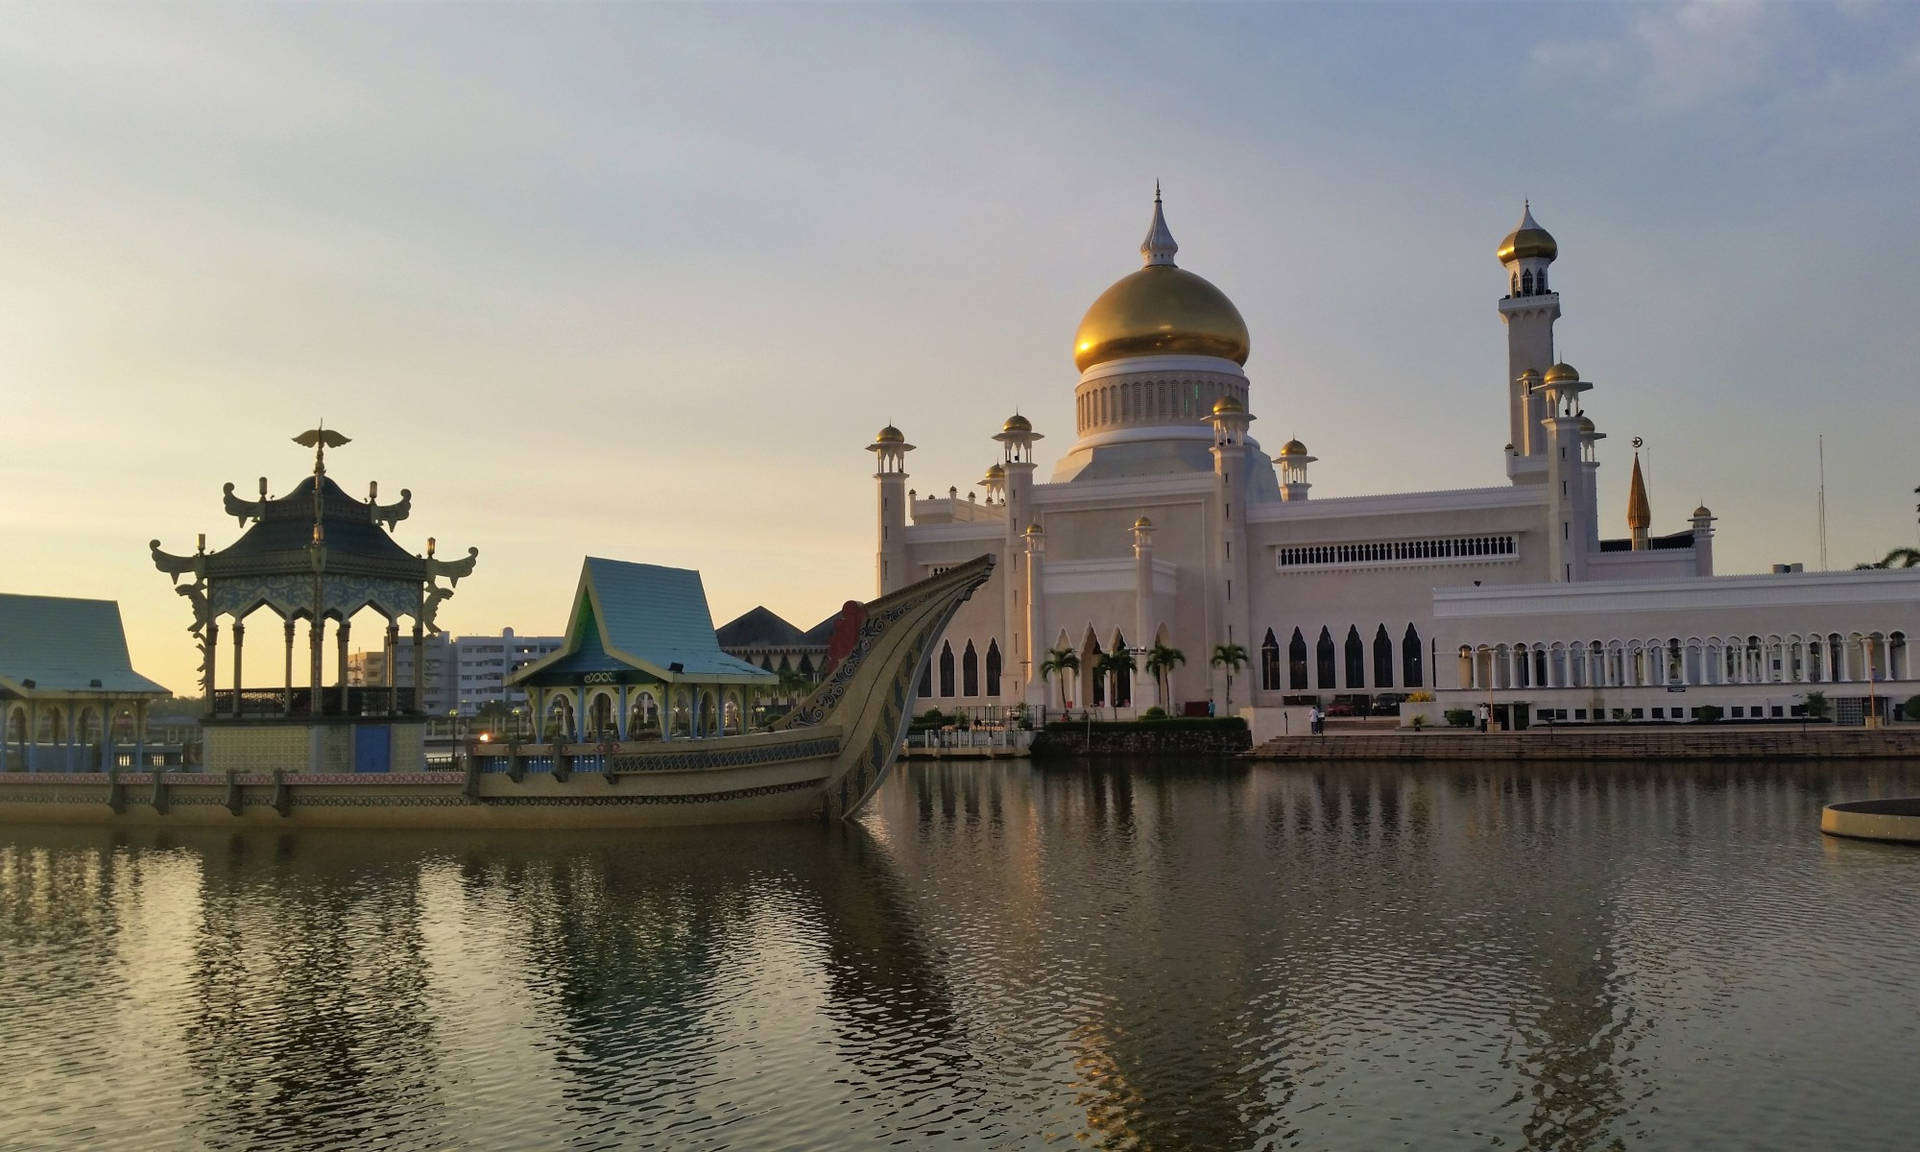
{"x":1004,"y":956}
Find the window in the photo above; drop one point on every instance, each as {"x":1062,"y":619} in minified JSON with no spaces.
{"x":1323,"y":656}
{"x":1410,"y":669}
{"x":946,"y":669}
{"x":1297,"y":662}
{"x":993,"y":667}
{"x":1270,"y":663}
{"x":1356,"y":659}
{"x":970,"y":672}
{"x":1382,"y":658}
{"x":1398,"y":551}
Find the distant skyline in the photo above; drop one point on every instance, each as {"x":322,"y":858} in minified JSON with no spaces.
{"x":641,"y":281}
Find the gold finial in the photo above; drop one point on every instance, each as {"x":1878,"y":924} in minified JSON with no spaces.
{"x":430,"y":546}
{"x":320,"y":439}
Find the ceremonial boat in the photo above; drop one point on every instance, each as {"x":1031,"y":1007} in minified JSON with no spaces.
{"x":822,"y":760}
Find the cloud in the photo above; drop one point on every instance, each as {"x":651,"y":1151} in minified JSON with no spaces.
{"x":1676,"y":58}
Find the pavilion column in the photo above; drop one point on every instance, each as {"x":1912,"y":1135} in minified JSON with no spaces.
{"x":66,"y":754}
{"x":139,"y":735}
{"x":420,"y":668}
{"x":316,"y":643}
{"x":107,"y":757}
{"x":286,"y":701}
{"x":666,"y":712}
{"x":31,"y":752}
{"x":580,"y":715}
{"x":345,"y":627}
{"x":1846,"y":659}
{"x":393,"y":649}
{"x":239,"y":681}
{"x":620,"y":720}
{"x":213,"y":644}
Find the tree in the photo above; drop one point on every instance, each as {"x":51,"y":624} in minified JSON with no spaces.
{"x":1065,"y":662}
{"x":1109,"y":665}
{"x":1817,"y":705}
{"x":1232,"y":657}
{"x":793,"y":684}
{"x":1898,"y":558}
{"x":1161,"y":661}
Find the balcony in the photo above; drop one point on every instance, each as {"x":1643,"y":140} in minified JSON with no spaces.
{"x":272,"y":703}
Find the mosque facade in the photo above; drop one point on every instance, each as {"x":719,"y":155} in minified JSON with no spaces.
{"x":1166,"y":522}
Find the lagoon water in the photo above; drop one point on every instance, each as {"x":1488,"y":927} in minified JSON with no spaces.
{"x":1156,"y":955}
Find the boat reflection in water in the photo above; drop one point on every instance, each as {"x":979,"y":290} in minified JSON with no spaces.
{"x":1150,"y":956}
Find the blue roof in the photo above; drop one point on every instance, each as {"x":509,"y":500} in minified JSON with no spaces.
{"x":643,"y":616}
{"x":64,"y":645}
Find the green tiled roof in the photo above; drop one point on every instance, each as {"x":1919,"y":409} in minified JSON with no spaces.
{"x":643,"y":616}
{"x":64,"y":645}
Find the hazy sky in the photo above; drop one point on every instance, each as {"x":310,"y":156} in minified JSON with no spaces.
{"x":643,"y":280}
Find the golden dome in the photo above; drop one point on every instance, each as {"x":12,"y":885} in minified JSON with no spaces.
{"x":1528,"y":240}
{"x":1161,"y":310}
{"x":1033,"y":530}
{"x":1143,"y":525}
{"x":1017,"y":423}
{"x":1227,"y":404}
{"x":890,"y":435}
{"x":1701,"y":513}
{"x":1293,"y":448}
{"x":996,"y":472}
{"x":1586,"y":424}
{"x":1562,"y":371}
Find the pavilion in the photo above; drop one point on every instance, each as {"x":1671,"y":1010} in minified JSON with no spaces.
{"x":70,"y":700}
{"x":640,"y":661}
{"x":314,"y":554}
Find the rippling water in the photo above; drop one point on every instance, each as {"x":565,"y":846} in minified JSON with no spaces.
{"x":1004,"y":956}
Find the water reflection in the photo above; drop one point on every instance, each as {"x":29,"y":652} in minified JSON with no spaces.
{"x":1121,"y":956}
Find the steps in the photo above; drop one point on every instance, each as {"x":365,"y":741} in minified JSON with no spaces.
{"x":1680,"y":742}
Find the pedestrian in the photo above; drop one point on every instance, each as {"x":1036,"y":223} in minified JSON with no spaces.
{"x":1486,"y":714}
{"x":1313,"y":719}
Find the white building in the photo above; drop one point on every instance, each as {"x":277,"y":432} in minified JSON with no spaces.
{"x":464,"y":674}
{"x":1165,"y":522}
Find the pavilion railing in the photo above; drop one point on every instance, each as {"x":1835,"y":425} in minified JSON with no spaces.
{"x":270,"y":703}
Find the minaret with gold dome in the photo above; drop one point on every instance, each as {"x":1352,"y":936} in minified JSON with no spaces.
{"x":890,"y":450}
{"x":1529,"y":310}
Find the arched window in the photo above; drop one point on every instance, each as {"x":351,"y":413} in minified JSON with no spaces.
{"x":1270,"y":663}
{"x":993,"y":668}
{"x":1297,"y":662}
{"x":1356,"y":659}
{"x":1516,"y":284}
{"x":1526,"y":283}
{"x":946,"y":669}
{"x":1382,"y":658}
{"x":1410,"y":670}
{"x":970,"y":671}
{"x":1122,"y":680}
{"x":1097,"y":697}
{"x":1323,"y":656}
{"x":1540,"y":281}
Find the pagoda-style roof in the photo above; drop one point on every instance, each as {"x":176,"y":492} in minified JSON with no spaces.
{"x":283,"y":532}
{"x":57,"y":646}
{"x":640,"y":623}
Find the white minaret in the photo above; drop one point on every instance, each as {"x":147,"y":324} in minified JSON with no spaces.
{"x":1146,"y":692}
{"x":890,"y":450}
{"x":1529,"y":310}
{"x":1034,"y":544}
{"x":1569,"y":512}
{"x":1016,"y":437}
{"x":1231,"y":465}
{"x":1702,"y":541}
{"x":1293,"y":461}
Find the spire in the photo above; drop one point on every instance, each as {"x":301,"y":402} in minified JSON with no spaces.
{"x":1639,"y":512}
{"x":1526,"y":215}
{"x":1158,"y":248}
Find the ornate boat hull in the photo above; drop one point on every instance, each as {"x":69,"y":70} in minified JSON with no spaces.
{"x":822,"y":761}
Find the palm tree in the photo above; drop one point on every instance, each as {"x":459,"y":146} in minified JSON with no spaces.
{"x":1232,"y":657}
{"x":1064,"y":661}
{"x":1109,"y":665}
{"x":1161,"y":661}
{"x":1898,"y":558}
{"x":793,"y":683}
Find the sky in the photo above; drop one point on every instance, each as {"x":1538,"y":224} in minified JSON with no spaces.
{"x":641,"y":281}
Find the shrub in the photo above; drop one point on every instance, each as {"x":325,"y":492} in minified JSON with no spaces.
{"x":1460,"y":717}
{"x":1419,"y":697}
{"x":1911,"y":708}
{"x":1817,"y":705}
{"x":1708,"y":713}
{"x":1159,"y":713}
{"x":1419,"y":721}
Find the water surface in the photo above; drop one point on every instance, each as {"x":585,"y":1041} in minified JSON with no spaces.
{"x":1000,"y":956}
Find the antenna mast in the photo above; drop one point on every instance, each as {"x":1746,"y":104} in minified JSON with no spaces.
{"x":1823,"y":502}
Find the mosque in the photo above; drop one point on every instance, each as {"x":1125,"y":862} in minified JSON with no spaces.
{"x":1165,"y":522}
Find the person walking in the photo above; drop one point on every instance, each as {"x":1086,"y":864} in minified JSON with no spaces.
{"x":1486,"y":714}
{"x":1313,"y":719}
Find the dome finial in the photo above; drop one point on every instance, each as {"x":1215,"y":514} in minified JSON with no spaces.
{"x":1158,"y":248}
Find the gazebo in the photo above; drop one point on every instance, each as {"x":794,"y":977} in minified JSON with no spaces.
{"x":640,"y":662}
{"x":70,"y":700}
{"x":314,"y":554}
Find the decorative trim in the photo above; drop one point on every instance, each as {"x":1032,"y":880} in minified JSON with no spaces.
{"x":605,"y":801}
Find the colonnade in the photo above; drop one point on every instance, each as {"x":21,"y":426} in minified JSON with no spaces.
{"x":73,"y":735}
{"x":1813,"y":658}
{"x":592,"y":714}
{"x":315,"y":703}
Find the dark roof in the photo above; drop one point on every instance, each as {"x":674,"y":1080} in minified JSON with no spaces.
{"x":1654,"y":543}
{"x":759,"y":628}
{"x":286,"y":525}
{"x":821,"y":634}
{"x":65,"y":645}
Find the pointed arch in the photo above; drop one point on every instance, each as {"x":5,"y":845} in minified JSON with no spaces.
{"x":1382,"y":658}
{"x":1270,"y":663}
{"x":1412,"y":675}
{"x":1297,"y":662}
{"x":1123,"y":681}
{"x":1093,"y":686}
{"x":970,"y":671}
{"x":1323,"y":657}
{"x":993,"y":667}
{"x":1356,"y":658}
{"x":946,"y":669}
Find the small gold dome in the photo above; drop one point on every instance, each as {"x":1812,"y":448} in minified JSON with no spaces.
{"x":1017,"y":423}
{"x":1586,"y":424}
{"x":1293,"y":448}
{"x":1701,"y":513}
{"x":996,"y":472}
{"x":1227,"y":404}
{"x":1562,"y":372}
{"x":890,"y":435}
{"x":1528,"y":240}
{"x":1161,"y":310}
{"x":1033,"y":530}
{"x":1143,"y":525}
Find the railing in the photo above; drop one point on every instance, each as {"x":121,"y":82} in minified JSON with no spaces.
{"x":263,"y":703}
